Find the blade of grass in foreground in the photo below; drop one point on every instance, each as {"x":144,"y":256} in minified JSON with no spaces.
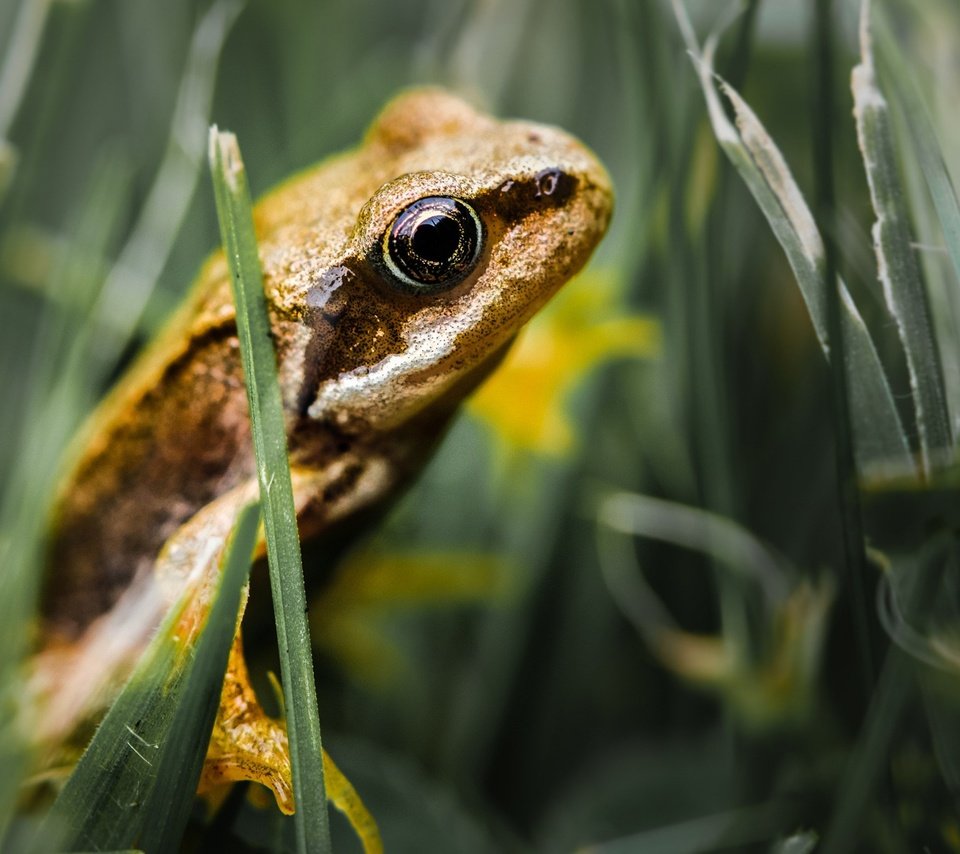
{"x":135,"y":783}
{"x":178,"y":771}
{"x":273,"y":470}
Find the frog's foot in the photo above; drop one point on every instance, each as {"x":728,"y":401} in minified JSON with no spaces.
{"x":246,"y":743}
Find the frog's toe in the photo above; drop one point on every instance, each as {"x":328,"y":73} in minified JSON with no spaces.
{"x":219,"y":772}
{"x":246,"y":743}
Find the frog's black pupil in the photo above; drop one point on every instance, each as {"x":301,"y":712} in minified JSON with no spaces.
{"x":436,"y":238}
{"x":433,"y":244}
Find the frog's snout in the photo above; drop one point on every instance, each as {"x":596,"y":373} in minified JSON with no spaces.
{"x":574,"y":179}
{"x":576,"y":189}
{"x":597,"y":189}
{"x":582,"y":188}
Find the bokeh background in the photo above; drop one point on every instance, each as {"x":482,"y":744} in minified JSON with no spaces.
{"x":526,"y":655}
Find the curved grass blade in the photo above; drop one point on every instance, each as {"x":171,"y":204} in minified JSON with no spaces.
{"x":135,"y":783}
{"x":273,"y":470}
{"x":895,"y":691}
{"x":743,"y":826}
{"x":880,"y":441}
{"x":731,"y":545}
{"x":903,"y":289}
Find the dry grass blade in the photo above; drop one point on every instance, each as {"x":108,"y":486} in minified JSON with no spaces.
{"x":898,"y":270}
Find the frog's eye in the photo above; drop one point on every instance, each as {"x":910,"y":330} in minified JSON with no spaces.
{"x":433,"y":244}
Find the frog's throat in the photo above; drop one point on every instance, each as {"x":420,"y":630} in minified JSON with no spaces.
{"x":401,"y":376}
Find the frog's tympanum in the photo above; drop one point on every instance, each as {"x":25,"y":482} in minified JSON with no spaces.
{"x":396,"y":276}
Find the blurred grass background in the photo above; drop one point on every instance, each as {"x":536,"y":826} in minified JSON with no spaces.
{"x":488,"y":677}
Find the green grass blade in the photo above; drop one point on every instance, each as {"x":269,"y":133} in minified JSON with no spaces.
{"x":15,"y":73}
{"x":280,"y":518}
{"x":51,"y":409}
{"x":734,"y":828}
{"x":732,"y":547}
{"x":178,"y":771}
{"x":132,"y":278}
{"x":893,"y":696}
{"x":825,"y":207}
{"x":135,"y":783}
{"x":8,"y":162}
{"x":899,"y":273}
{"x":802,"y":842}
{"x":880,"y":440}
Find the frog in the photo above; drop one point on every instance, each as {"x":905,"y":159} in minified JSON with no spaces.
{"x":396,"y":277}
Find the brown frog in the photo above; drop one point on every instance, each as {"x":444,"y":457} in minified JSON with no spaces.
{"x":396,"y":276}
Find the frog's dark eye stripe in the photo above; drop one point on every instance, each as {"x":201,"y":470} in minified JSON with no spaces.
{"x":433,"y":244}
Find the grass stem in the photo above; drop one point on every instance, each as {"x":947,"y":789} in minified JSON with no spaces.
{"x":235,"y":213}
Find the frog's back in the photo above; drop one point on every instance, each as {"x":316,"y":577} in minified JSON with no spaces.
{"x":175,"y":433}
{"x":171,"y":436}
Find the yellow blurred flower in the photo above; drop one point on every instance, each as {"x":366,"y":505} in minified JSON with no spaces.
{"x":524,"y":402}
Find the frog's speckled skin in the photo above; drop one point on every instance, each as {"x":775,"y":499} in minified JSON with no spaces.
{"x":370,"y":375}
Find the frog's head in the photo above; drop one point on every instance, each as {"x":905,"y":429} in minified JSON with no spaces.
{"x":464,"y":228}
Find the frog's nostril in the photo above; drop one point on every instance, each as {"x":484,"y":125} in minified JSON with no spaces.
{"x":551,"y":187}
{"x":554,"y":184}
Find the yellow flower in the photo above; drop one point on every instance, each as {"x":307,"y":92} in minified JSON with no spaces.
{"x":524,"y":402}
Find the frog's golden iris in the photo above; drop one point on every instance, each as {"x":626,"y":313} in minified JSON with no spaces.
{"x":433,"y":244}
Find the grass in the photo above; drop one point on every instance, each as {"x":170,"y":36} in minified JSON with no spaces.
{"x":134,"y":784}
{"x":693,"y":703}
{"x":273,"y":471}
